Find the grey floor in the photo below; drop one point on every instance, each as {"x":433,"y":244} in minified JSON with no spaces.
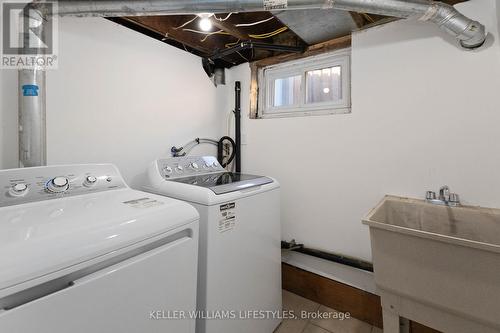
{"x":297,"y":304}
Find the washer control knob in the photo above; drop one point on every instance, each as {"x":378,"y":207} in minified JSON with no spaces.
{"x":194,"y":166}
{"x":19,"y":190}
{"x":58,"y":185}
{"x":90,"y":181}
{"x":206,"y":165}
{"x":167,"y":169}
{"x":215,"y":164}
{"x":179,"y":168}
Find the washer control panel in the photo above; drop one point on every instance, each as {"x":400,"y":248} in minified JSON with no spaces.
{"x":52,"y":182}
{"x":180,"y":167}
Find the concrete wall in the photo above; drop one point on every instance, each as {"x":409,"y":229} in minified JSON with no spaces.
{"x":425,"y":113}
{"x":118,"y":96}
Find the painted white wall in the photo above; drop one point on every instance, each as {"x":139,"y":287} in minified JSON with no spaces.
{"x":425,"y":113}
{"x":8,"y":119}
{"x":118,"y":96}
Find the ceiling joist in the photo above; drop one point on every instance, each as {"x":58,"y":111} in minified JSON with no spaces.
{"x":230,"y":29}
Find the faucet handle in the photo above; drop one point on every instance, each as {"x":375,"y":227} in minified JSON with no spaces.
{"x":454,"y":198}
{"x":444,"y":193}
{"x":430,"y":195}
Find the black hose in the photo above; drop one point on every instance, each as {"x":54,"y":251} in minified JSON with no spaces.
{"x":237,"y":128}
{"x":220,"y":151}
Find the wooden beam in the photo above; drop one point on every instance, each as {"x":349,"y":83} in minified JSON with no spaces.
{"x":358,"y":19}
{"x":453,"y":2}
{"x":254,"y":91}
{"x":419,"y":328}
{"x":341,"y":297}
{"x":229,"y":28}
{"x":155,"y":23}
{"x":331,"y":45}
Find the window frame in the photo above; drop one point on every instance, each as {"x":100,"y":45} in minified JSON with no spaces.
{"x":267,"y":75}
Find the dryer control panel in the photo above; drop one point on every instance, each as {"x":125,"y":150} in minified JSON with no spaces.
{"x":180,"y":167}
{"x":25,"y":185}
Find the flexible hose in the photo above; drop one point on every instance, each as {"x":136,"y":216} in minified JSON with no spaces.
{"x":220,"y":155}
{"x":185,"y":149}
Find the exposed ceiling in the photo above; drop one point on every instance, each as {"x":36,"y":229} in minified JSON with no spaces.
{"x":296,"y":28}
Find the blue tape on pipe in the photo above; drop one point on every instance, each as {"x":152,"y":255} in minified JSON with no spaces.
{"x":30,"y":90}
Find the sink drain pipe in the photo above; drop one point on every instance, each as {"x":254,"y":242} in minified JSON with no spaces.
{"x":32,"y":101}
{"x":333,"y":257}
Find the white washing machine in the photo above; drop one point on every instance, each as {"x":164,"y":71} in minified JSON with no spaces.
{"x":240,"y":257}
{"x":81,"y":252}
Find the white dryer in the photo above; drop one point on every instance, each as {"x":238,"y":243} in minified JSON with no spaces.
{"x":239,"y":284}
{"x":81,"y":252}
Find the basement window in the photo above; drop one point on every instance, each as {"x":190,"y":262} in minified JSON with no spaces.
{"x":310,"y":86}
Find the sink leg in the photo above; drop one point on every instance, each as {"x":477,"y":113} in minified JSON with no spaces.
{"x":404,"y":325}
{"x":393,"y":323}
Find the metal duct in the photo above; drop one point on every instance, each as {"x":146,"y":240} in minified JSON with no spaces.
{"x":470,"y":33}
{"x":32,"y":124}
{"x":32,"y":100}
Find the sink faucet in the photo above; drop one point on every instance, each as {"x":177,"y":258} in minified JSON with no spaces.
{"x":446,"y":198}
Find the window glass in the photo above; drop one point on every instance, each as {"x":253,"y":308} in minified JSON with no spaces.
{"x":287,"y":91}
{"x":324,"y":85}
{"x":314,"y":85}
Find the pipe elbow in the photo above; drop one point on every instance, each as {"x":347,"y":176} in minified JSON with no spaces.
{"x":471,"y":34}
{"x":475,"y":36}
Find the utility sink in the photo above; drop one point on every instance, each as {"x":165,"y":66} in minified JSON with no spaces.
{"x":437,"y":265}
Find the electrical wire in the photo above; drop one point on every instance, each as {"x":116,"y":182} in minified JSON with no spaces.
{"x":368,"y":17}
{"x":207,"y":34}
{"x":254,"y":23}
{"x":196,"y":17}
{"x":220,"y":32}
{"x":241,"y":55}
{"x":269,"y":34}
{"x":201,"y":32}
{"x":188,"y":22}
{"x":228,"y":45}
{"x":225,"y":18}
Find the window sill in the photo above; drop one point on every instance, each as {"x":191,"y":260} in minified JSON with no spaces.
{"x":293,"y":114}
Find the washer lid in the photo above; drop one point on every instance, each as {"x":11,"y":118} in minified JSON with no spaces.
{"x":224,"y":182}
{"x":41,"y":238}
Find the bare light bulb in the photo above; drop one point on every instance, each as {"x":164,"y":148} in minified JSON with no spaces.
{"x":326,"y":90}
{"x":205,"y":23}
